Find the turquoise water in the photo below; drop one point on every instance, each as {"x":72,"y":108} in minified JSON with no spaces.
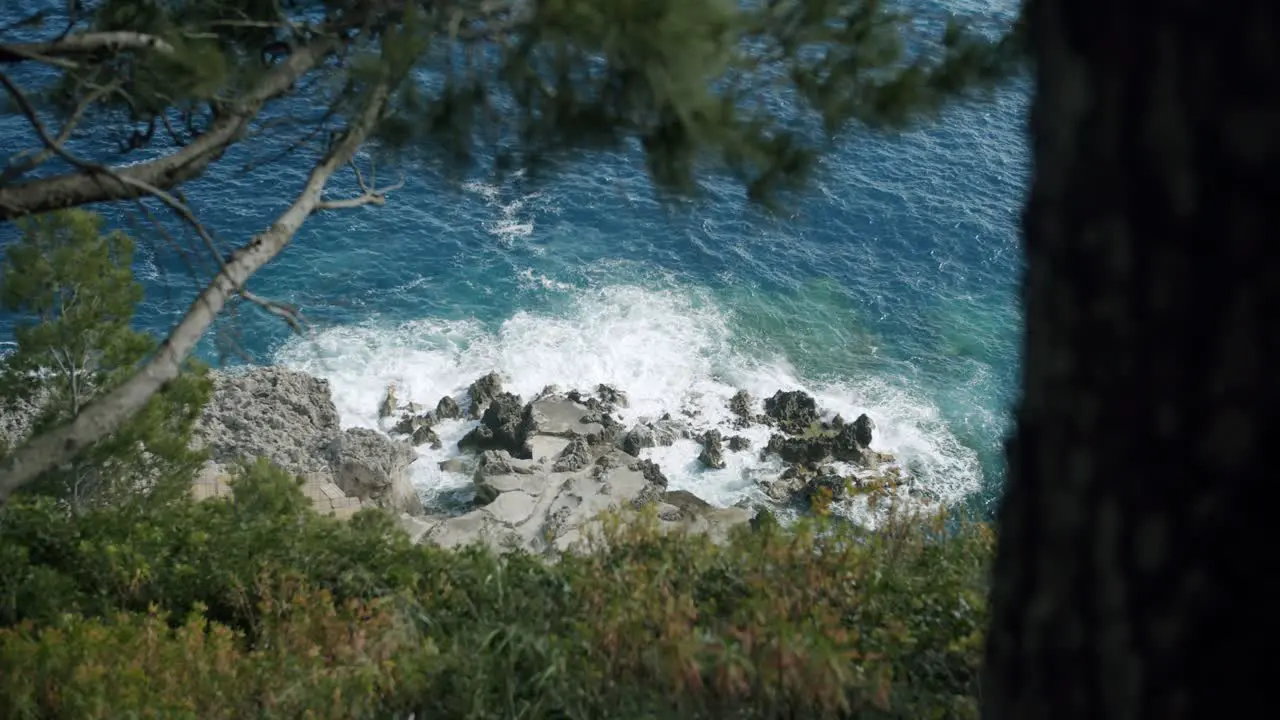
{"x":890,"y":289}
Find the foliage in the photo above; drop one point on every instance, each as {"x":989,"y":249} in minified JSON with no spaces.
{"x":72,"y":292}
{"x":255,"y":606}
{"x":698,"y":84}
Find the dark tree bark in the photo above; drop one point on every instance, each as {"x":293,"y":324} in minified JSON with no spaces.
{"x":1135,"y":576}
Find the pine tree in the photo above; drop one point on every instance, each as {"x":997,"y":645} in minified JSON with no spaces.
{"x":73,"y":293}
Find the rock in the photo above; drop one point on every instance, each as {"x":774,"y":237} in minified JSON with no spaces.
{"x":455,"y":465}
{"x":737,"y":443}
{"x":650,"y":471}
{"x":284,"y":416}
{"x":712,"y":454}
{"x":575,"y":456}
{"x":506,"y":425}
{"x":482,"y":392}
{"x":834,"y":486}
{"x":410,"y":424}
{"x":567,"y":418}
{"x":740,"y":405}
{"x":424,"y":435}
{"x":763,"y":520}
{"x":794,"y":411}
{"x":815,"y":449}
{"x":862,"y":428}
{"x":611,"y":396}
{"x":646,"y":435}
{"x":447,"y":409}
{"x":370,"y":466}
{"x":388,"y":406}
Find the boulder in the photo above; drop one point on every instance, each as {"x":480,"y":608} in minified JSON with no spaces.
{"x":372,"y":467}
{"x":793,"y":411}
{"x":409,"y":424}
{"x":285,"y":416}
{"x":447,"y":409}
{"x":611,"y":396}
{"x":816,"y":448}
{"x":575,"y":456}
{"x":388,"y":406}
{"x":644,"y":435}
{"x":712,"y":454}
{"x":741,"y":405}
{"x":737,"y":443}
{"x":482,"y":392}
{"x":862,"y":428}
{"x":425,"y":435}
{"x":506,"y":425}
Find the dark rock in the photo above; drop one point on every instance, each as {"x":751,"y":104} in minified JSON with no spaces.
{"x":611,"y":396}
{"x":447,"y":409}
{"x":575,"y":456}
{"x":410,"y":424}
{"x":834,"y":486}
{"x":387,"y":407}
{"x":424,"y":435}
{"x":737,"y":443}
{"x":862,"y":428}
{"x":506,"y":425}
{"x":651,"y":472}
{"x":740,"y":405}
{"x":482,"y":392}
{"x":685,"y":500}
{"x":837,"y":422}
{"x":647,"y":435}
{"x":611,"y":430}
{"x":764,"y":519}
{"x":454,"y":465}
{"x":712,"y":454}
{"x":648,"y":496}
{"x":793,"y":411}
{"x":815,"y":449}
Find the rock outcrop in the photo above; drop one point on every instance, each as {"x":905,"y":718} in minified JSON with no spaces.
{"x":712,"y":454}
{"x":567,"y":471}
{"x":369,"y":467}
{"x":288,"y":417}
{"x":792,"y":411}
{"x":506,"y":425}
{"x":482,"y":392}
{"x":284,"y":416}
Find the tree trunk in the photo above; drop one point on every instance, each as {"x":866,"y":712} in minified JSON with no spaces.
{"x":1133,"y":578}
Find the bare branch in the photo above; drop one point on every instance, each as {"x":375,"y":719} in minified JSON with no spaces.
{"x":83,"y":44}
{"x":369,"y":195}
{"x":81,"y":188}
{"x":33,"y":159}
{"x":289,"y":313}
{"x":103,"y":415}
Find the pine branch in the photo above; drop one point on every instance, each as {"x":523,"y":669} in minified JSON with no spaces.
{"x":103,"y":415}
{"x":81,"y":188}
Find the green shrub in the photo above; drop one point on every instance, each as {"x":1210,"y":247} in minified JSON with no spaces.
{"x":257,"y":607}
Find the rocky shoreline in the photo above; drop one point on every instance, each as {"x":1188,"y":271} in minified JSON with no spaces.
{"x":541,"y":469}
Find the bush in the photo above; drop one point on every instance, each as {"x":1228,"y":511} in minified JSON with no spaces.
{"x":257,"y":607}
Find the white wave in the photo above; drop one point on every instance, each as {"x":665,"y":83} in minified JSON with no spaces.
{"x":670,"y":351}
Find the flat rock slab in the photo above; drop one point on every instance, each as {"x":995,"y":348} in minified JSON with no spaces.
{"x":547,"y":447}
{"x":563,"y":418}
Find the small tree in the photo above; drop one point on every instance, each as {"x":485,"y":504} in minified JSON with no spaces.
{"x":72,"y":289}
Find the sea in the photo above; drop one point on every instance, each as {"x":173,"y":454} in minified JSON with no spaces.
{"x":889,"y":288}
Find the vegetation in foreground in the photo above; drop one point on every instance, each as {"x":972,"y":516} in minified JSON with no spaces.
{"x":255,"y":606}
{"x":122,"y":597}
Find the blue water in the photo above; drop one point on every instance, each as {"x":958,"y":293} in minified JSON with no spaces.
{"x":889,"y":289}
